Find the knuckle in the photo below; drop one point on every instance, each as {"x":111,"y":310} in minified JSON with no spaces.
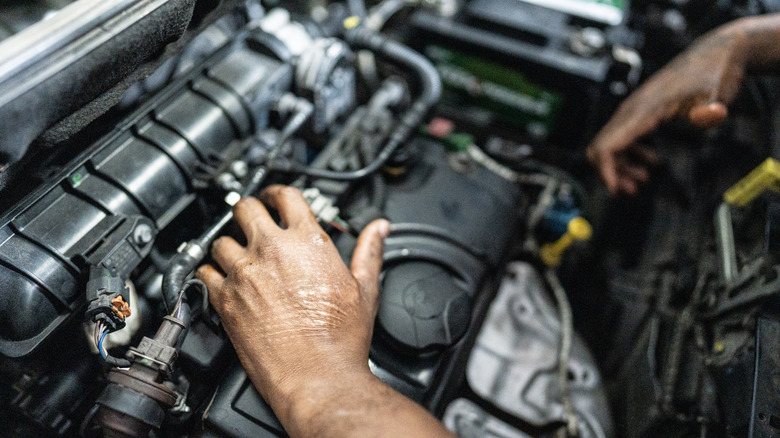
{"x":244,"y":205}
{"x":284,"y":194}
{"x":273,"y":245}
{"x":219,"y":244}
{"x":258,"y":224}
{"x":244,"y":267}
{"x":203,"y":273}
{"x":241,"y":204}
{"x":288,"y":191}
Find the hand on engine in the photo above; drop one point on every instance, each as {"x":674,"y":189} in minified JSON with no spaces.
{"x":301,"y":322}
{"x":289,"y":304}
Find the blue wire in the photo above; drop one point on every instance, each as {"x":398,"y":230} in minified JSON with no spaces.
{"x":100,"y":344}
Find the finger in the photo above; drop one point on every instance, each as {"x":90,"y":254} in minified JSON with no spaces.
{"x":214,"y":281}
{"x":226,"y":252}
{"x":367,"y":259}
{"x":605,"y":164}
{"x":632,"y":120}
{"x":635,"y":172}
{"x":628,"y":186}
{"x":708,"y":115}
{"x":253,"y":218}
{"x":293,"y":209}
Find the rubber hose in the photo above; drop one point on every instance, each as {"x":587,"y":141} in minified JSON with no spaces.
{"x":429,"y":94}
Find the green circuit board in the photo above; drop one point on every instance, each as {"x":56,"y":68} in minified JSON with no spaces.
{"x":508,"y":95}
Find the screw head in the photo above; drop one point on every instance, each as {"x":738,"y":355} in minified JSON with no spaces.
{"x":142,"y":234}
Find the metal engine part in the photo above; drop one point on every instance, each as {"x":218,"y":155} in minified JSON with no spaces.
{"x":514,"y":362}
{"x":324,"y":71}
{"x":468,"y":420}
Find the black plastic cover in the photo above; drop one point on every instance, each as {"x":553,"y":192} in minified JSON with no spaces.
{"x":449,"y":230}
{"x":238,"y":411}
{"x":138,"y":176}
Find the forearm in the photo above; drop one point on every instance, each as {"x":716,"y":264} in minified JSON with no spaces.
{"x":759,"y":42}
{"x":356,"y":406}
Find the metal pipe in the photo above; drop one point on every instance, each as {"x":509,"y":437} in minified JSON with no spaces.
{"x":727,"y":252}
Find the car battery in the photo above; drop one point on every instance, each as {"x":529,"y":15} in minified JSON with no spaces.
{"x":543,"y":68}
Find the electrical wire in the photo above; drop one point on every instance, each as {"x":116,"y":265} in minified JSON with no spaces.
{"x":336,"y":225}
{"x":303,"y":111}
{"x":176,"y":313}
{"x":100,"y":345}
{"x":564,"y":349}
{"x":357,"y":8}
{"x":96,"y":332}
{"x":479,"y":156}
{"x":340,"y":225}
{"x":101,"y":331}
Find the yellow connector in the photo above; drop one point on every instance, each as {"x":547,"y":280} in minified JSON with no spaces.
{"x":764,"y":177}
{"x":351,"y":22}
{"x":552,"y":253}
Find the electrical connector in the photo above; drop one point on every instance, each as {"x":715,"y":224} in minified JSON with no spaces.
{"x":107,"y":298}
{"x":765,"y":177}
{"x":321,"y":205}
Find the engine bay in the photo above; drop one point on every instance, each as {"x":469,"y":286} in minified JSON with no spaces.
{"x":518,"y":299}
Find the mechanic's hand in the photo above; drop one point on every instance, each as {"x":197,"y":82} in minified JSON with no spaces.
{"x":697,"y":85}
{"x":294,"y":312}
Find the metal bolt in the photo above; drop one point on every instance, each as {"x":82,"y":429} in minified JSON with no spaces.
{"x":587,"y":42}
{"x":143,"y":234}
{"x":239,"y":168}
{"x":228,"y":182}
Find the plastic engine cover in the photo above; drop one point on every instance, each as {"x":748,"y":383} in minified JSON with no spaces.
{"x":140,"y":176}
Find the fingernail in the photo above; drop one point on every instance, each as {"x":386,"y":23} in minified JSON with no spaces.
{"x":384,"y":228}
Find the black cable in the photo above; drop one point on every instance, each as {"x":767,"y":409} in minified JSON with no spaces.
{"x":117,"y":362}
{"x":179,"y":268}
{"x":192,"y":283}
{"x":378,"y":192}
{"x":429,"y":94}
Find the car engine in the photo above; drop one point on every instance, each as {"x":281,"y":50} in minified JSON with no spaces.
{"x":517,"y":298}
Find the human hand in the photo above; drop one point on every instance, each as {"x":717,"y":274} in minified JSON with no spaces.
{"x":294,"y":312}
{"x":697,"y":86}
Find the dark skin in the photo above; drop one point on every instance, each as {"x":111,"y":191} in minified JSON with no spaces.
{"x":301,"y":322}
{"x":698,"y":86}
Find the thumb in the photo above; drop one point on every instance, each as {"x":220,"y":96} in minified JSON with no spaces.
{"x":708,"y":115}
{"x":367,"y":259}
